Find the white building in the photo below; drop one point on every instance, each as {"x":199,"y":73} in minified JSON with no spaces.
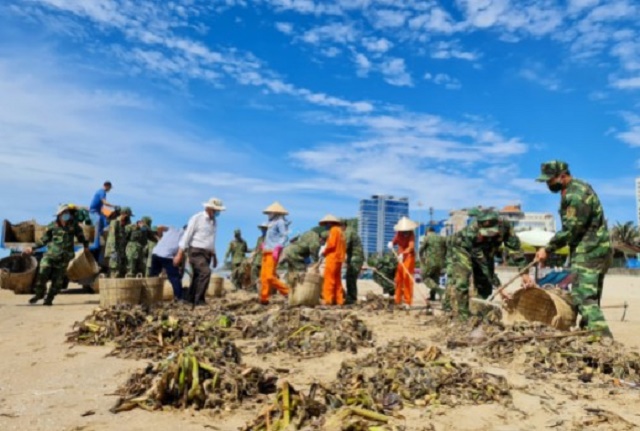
{"x":521,"y":220}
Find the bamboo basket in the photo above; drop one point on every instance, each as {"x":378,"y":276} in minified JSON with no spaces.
{"x":20,"y":274}
{"x":539,"y":305}
{"x":152,"y":290}
{"x":115,"y":291}
{"x":216,"y":287}
{"x":167,"y":291}
{"x":39,"y":230}
{"x":24,"y":232}
{"x":308,"y":293}
{"x":82,"y":266}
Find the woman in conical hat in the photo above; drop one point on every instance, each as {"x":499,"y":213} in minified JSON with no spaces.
{"x":272,"y":246}
{"x":405,"y":240}
{"x":334,"y":253}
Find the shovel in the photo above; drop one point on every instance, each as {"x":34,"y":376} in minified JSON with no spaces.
{"x":512,"y":279}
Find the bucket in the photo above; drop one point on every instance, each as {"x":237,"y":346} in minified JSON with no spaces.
{"x":307,"y":293}
{"x":17,"y":273}
{"x":216,"y":286}
{"x":82,"y":266}
{"x":152,"y":290}
{"x":115,"y":291}
{"x":539,"y":305}
{"x":39,"y":231}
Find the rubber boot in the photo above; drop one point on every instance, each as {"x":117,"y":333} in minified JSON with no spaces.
{"x":35,"y":299}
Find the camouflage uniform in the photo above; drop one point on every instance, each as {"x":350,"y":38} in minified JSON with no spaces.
{"x":355,"y":260}
{"x":137,"y":238}
{"x":256,"y":264}
{"x":297,"y":255}
{"x":473,"y":252}
{"x":584,"y":230}
{"x":116,"y":246}
{"x":387,"y":264}
{"x":53,"y":265}
{"x":148,"y":250}
{"x":237,"y":250}
{"x":433,"y":252}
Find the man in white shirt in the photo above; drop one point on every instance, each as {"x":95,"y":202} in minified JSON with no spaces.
{"x":199,"y":238}
{"x":162,"y":258}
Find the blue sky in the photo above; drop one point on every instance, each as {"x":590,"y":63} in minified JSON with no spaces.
{"x":315,"y":104}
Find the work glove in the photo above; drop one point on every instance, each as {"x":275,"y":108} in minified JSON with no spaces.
{"x":400,"y":255}
{"x":321,"y":252}
{"x":390,"y":245}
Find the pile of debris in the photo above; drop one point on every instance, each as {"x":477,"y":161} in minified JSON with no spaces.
{"x":209,"y":378}
{"x":407,"y":371}
{"x":373,"y":302}
{"x":153,"y":334}
{"x":310,"y":332}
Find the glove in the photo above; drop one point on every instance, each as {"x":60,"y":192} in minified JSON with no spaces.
{"x":114,"y":257}
{"x":321,"y":252}
{"x":399,"y":257}
{"x":390,"y":245}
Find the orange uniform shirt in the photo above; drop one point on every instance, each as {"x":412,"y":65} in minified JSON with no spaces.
{"x":336,"y":247}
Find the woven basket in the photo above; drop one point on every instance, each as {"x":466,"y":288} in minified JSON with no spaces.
{"x":18,"y":273}
{"x":216,"y":286}
{"x":115,"y":291}
{"x":539,"y":305}
{"x":39,"y":231}
{"x":89,"y":232}
{"x":152,"y":290}
{"x":167,"y":291}
{"x":82,"y":266}
{"x":308,"y":293}
{"x":24,"y":232}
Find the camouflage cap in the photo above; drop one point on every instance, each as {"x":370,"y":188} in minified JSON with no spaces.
{"x":488,"y":221}
{"x":146,"y":220}
{"x":487,"y":216}
{"x":126,"y":210}
{"x":551,"y":169}
{"x":237,"y":232}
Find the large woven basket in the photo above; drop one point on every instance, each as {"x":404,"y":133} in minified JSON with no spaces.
{"x":82,"y":266}
{"x":115,"y":291}
{"x":539,"y":305}
{"x":308,"y":293}
{"x":167,"y":291}
{"x":216,"y":286}
{"x":22,"y":232}
{"x":152,"y":290}
{"x":39,"y":231}
{"x":17,"y":273}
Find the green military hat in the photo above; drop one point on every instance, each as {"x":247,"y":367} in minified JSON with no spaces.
{"x":127,"y":211}
{"x":237,"y":232}
{"x":146,"y":220}
{"x":488,"y":221}
{"x":551,"y":169}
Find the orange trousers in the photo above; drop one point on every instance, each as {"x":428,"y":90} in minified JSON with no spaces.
{"x":332,"y":293}
{"x":268,"y":278}
{"x":404,"y":283}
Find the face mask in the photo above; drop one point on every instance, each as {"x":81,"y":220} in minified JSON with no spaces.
{"x":555,"y":187}
{"x":144,"y":228}
{"x":66,"y":217}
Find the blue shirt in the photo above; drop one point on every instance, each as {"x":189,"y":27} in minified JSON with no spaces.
{"x":96,"y":202}
{"x":276,"y":234}
{"x":168,"y":245}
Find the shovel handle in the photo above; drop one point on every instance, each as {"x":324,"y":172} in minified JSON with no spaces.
{"x":512,"y":279}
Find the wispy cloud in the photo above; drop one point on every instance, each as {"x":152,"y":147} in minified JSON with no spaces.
{"x":395,"y":72}
{"x":285,"y":27}
{"x":632,"y":135}
{"x":447,"y":81}
{"x":537,"y":73}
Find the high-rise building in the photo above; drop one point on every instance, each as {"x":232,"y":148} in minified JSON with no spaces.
{"x":638,"y":200}
{"x":376,"y":219}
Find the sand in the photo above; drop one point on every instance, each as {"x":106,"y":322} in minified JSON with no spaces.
{"x":47,"y":384}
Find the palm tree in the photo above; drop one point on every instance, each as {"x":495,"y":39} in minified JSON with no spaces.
{"x":625,"y":233}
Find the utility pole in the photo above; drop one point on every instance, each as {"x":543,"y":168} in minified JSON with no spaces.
{"x":431,"y":216}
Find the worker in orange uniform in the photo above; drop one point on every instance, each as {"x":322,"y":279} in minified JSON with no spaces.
{"x":274,"y":240}
{"x":405,"y":240}
{"x":335,"y":252}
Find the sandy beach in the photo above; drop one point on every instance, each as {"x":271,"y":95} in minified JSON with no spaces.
{"x":48,"y":384}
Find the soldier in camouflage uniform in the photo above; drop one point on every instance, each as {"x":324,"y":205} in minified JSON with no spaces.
{"x":256,"y":263}
{"x":138,"y":235}
{"x":584,"y":230}
{"x":300,"y":252}
{"x":448,"y":264}
{"x":474,"y":249}
{"x":354,"y":262}
{"x":148,"y":249}
{"x":387,"y":264}
{"x":53,"y":266}
{"x":433,"y":250}
{"x":236,"y":251}
{"x":116,"y":245}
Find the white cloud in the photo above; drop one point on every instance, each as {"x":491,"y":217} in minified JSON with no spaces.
{"x":447,"y":81}
{"x":388,"y":18}
{"x":335,"y":32}
{"x":632,"y":135}
{"x":284,"y":27}
{"x":628,"y":52}
{"x":363,"y":65}
{"x":452,"y":49}
{"x":436,"y":20}
{"x":376,"y":45}
{"x":580,"y":5}
{"x":537,"y":73}
{"x":395,"y":72}
{"x":626,"y":83}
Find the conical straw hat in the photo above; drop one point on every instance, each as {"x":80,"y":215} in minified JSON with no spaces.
{"x":405,"y":225}
{"x":275,"y":208}
{"x":329,"y":218}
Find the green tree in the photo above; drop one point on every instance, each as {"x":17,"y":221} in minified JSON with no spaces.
{"x":625,"y":233}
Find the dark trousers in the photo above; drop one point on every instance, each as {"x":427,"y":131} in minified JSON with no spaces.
{"x":173,"y":273}
{"x":352,"y":284}
{"x":200,"y":260}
